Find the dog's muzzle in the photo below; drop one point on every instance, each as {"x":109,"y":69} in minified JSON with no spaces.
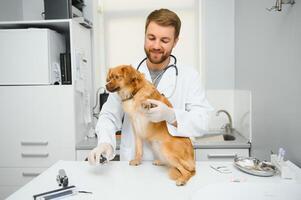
{"x":111,"y":88}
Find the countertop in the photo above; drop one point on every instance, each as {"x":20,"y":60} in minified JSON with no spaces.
{"x":211,"y":142}
{"x":119,"y":180}
{"x":205,"y":142}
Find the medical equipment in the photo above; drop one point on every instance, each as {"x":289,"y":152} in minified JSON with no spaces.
{"x":221,"y":169}
{"x":62,"y":178}
{"x":38,"y":53}
{"x":285,"y":168}
{"x":101,"y":98}
{"x":102,"y":159}
{"x":174,"y":65}
{"x":254,"y":166}
{"x":281,"y":153}
{"x":56,"y":194}
{"x":60,"y":193}
{"x":65,"y":191}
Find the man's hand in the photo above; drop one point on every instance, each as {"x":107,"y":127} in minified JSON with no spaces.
{"x":159,"y":111}
{"x":104,"y":149}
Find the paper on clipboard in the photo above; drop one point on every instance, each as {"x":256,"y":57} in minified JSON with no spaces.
{"x":81,"y":84}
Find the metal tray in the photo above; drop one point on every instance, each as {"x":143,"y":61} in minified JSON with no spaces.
{"x":254,"y":166}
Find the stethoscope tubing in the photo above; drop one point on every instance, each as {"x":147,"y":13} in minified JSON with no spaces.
{"x":174,"y":65}
{"x":166,"y":68}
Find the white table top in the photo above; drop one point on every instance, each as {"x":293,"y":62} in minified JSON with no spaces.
{"x":118,"y":180}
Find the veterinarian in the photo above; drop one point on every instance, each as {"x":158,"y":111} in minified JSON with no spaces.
{"x":179,"y":83}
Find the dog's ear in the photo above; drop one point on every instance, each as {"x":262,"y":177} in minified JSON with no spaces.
{"x":129,"y":72}
{"x":125,"y":70}
{"x":136,"y":75}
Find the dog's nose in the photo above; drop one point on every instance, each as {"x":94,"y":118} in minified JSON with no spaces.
{"x":107,"y":87}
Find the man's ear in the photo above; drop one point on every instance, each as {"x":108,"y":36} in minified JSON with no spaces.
{"x":175,"y":42}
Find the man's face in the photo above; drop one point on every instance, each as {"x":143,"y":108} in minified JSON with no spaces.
{"x":159,"y":42}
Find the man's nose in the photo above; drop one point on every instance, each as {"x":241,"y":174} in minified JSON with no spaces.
{"x":157,"y":44}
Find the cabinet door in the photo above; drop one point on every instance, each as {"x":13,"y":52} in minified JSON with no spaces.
{"x":18,"y":176}
{"x":5,"y":191}
{"x":37,"y":125}
{"x":219,"y":154}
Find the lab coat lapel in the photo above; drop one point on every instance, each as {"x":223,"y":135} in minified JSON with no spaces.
{"x":167,"y":82}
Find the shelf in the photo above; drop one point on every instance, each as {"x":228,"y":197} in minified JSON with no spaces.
{"x":61,"y":25}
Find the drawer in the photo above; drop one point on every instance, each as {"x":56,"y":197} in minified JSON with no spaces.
{"x":6,"y":191}
{"x":35,"y":156}
{"x":42,"y":120}
{"x":18,"y":176}
{"x":219,"y":154}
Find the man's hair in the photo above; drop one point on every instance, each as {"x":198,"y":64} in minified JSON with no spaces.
{"x":164,"y":17}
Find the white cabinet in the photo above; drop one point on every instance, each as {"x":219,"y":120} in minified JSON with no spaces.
{"x":37,"y":125}
{"x":40,"y":124}
{"x":219,"y":154}
{"x":5,"y":191}
{"x":9,"y":176}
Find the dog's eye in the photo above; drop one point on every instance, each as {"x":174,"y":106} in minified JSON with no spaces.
{"x":117,"y":77}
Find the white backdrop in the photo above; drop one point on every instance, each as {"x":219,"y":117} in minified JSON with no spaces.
{"x":123,"y":30}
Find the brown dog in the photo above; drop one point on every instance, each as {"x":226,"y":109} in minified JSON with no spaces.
{"x":134,"y":90}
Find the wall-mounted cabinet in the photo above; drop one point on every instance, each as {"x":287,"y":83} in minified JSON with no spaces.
{"x":41,"y":123}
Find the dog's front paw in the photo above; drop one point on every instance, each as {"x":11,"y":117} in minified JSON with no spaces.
{"x":135,"y":162}
{"x":180,"y":182}
{"x":158,"y":163}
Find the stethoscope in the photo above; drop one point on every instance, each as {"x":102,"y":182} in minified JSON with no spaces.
{"x":174,"y":65}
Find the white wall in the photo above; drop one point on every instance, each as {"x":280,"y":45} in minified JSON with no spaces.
{"x":123,"y":32}
{"x":32,"y":9}
{"x":239,"y":106}
{"x":217,"y":43}
{"x":214,"y":40}
{"x":11,"y":10}
{"x":18,"y":10}
{"x":267,"y":61}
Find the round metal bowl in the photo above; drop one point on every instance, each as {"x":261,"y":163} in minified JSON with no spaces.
{"x":254,"y":166}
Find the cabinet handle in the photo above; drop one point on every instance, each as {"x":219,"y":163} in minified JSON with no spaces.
{"x":31,"y":143}
{"x":35,"y":155}
{"x":30,"y":174}
{"x":221,"y":155}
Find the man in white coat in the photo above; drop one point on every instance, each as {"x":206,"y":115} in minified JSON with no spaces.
{"x":181,"y":85}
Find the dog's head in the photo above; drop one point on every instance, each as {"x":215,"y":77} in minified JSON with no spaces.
{"x":123,"y":77}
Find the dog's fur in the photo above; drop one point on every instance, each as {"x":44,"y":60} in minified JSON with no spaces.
{"x":134,"y":90}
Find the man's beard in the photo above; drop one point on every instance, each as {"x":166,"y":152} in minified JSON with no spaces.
{"x":162,"y":58}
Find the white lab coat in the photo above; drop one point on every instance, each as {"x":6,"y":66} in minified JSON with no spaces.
{"x":189,"y":102}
